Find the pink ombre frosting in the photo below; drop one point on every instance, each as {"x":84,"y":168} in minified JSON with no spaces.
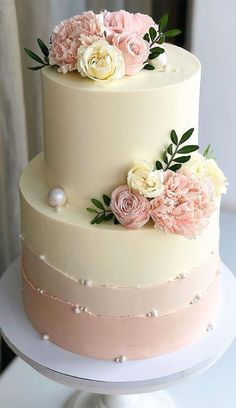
{"x":130,"y":208}
{"x":109,"y":337}
{"x":185,"y":205}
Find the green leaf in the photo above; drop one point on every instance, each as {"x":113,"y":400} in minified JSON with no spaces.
{"x":170,"y":149}
{"x":146,"y":37}
{"x":46,"y":59}
{"x":159,"y":50}
{"x":98,"y":204}
{"x":182,"y":159}
{"x":36,"y":68}
{"x":161,"y":39}
{"x":100,"y":219}
{"x":174,"y":137}
{"x":159,"y":165}
{"x":188,"y":149}
{"x":165,"y":158}
{"x":108,"y":217}
{"x":186,"y":136}
{"x":172,"y":33}
{"x":175,"y":167}
{"x":153,"y":56}
{"x":32,"y":55}
{"x":208,"y":152}
{"x":152,"y":33}
{"x":116,"y":222}
{"x":94,"y":220}
{"x":43,"y":47}
{"x":106,"y":199}
{"x":163,"y":21}
{"x":149,"y":67}
{"x":92,"y":210}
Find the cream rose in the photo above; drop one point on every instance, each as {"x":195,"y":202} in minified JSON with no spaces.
{"x":100,"y":61}
{"x":145,"y":180}
{"x":202,"y":167}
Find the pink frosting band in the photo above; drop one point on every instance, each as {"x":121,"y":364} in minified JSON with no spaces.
{"x":109,"y":337}
{"x":112,"y":301}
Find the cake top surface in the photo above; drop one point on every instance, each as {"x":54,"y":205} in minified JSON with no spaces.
{"x":182,"y":65}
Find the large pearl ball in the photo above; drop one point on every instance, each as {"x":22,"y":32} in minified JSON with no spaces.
{"x":57,"y":197}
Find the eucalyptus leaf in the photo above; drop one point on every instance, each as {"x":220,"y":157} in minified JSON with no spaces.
{"x":98,"y":204}
{"x":149,"y":67}
{"x":208,"y":152}
{"x":161,"y":39}
{"x":32,"y":55}
{"x":152,"y":33}
{"x":172,"y":33}
{"x":116,"y":222}
{"x":108,"y":217}
{"x":46,"y":59}
{"x":43,"y":47}
{"x":92,"y":210}
{"x":174,"y":137}
{"x":159,"y":165}
{"x":188,"y":149}
{"x":182,"y":159}
{"x":170,"y":149}
{"x":186,"y":136}
{"x":106,"y":199}
{"x":165,"y":158}
{"x":36,"y":68}
{"x":146,"y":37}
{"x":100,"y":219}
{"x":153,"y":55}
{"x":160,"y":50}
{"x":162,"y":22}
{"x":175,"y":167}
{"x":94,"y":220}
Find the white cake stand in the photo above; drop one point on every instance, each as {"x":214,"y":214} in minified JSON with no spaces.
{"x":105,"y":384}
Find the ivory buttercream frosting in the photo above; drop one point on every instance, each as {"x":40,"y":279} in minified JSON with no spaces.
{"x":120,"y":214}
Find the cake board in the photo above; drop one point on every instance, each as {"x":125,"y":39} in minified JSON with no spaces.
{"x":106,"y":384}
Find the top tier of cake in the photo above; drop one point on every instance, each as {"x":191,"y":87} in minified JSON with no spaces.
{"x":93,"y":133}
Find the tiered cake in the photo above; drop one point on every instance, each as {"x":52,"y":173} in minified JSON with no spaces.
{"x":104,"y":290}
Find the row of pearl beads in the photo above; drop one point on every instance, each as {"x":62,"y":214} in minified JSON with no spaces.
{"x":77,"y":309}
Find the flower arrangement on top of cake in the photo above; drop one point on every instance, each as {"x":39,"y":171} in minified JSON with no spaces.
{"x":178,"y":194}
{"x":106,"y":46}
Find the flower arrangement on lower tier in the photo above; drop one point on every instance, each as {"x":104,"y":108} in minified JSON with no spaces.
{"x":178,"y":194}
{"x":106,"y":46}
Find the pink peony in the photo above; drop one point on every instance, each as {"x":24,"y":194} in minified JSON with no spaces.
{"x":69,"y":35}
{"x":184,"y":206}
{"x":142,"y":23}
{"x":135,"y":51}
{"x":130,"y":208}
{"x":117,"y":22}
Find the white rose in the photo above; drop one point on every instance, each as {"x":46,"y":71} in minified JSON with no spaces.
{"x":202,"y":167}
{"x":145,"y":180}
{"x":100,"y":61}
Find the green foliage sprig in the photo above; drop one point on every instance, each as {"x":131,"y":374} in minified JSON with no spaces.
{"x":209,"y":153}
{"x":174,"y":156}
{"x":35,"y":57}
{"x":102,"y":211}
{"x":153,"y":37}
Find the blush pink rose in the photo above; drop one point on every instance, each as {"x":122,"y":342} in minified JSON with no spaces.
{"x":185,"y":205}
{"x":130,"y":208}
{"x":142,"y":23}
{"x":117,"y":22}
{"x":135,"y":51}
{"x":69,"y":35}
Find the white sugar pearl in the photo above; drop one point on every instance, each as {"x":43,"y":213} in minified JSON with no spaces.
{"x":45,"y":336}
{"x":210,"y":327}
{"x":42,"y":257}
{"x":152,"y":313}
{"x":76,"y":309}
{"x":87,"y":282}
{"x":57,"y":197}
{"x":120,"y":359}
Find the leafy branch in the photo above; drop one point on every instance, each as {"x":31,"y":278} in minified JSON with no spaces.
{"x":105,"y":214}
{"x":172,"y":156}
{"x":158,"y":37}
{"x":35,"y":57}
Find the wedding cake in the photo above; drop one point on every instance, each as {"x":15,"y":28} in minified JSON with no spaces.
{"x":120,"y":213}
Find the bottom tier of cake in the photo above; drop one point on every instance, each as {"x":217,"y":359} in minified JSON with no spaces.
{"x":119,"y":338}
